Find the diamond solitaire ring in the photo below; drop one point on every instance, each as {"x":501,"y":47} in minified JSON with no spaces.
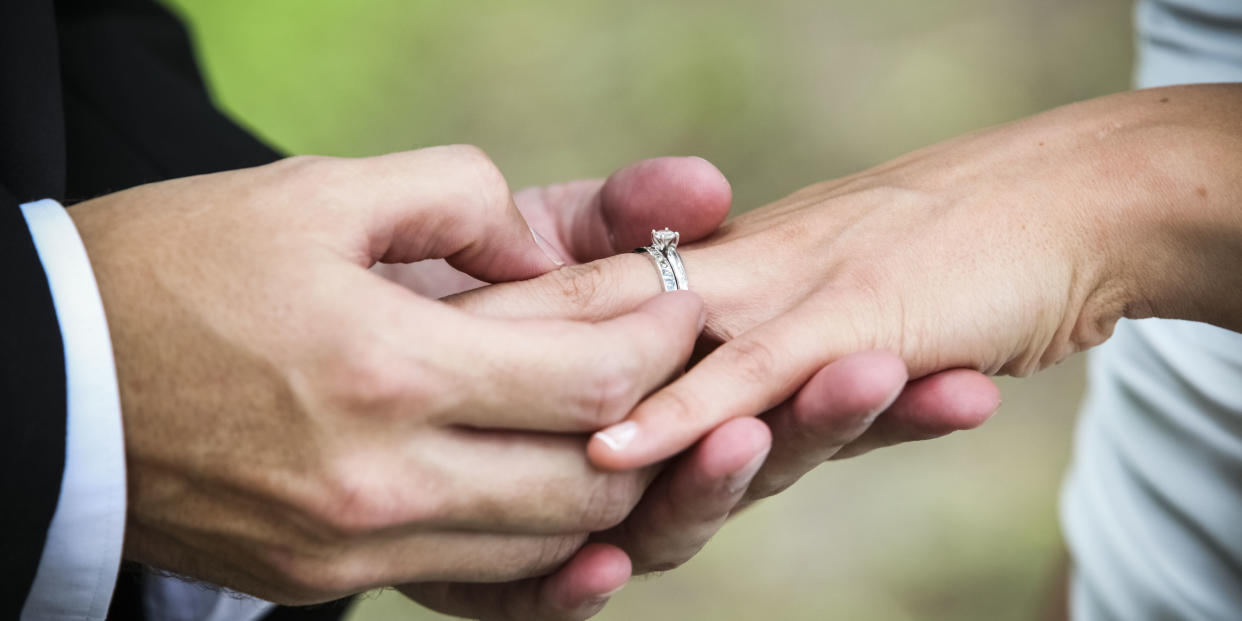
{"x":663,"y":250}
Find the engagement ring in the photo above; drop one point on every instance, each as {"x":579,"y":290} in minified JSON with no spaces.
{"x":663,"y":250}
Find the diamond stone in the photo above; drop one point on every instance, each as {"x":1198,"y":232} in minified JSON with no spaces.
{"x":665,"y":238}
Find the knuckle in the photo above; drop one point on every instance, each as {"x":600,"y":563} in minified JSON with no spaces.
{"x":869,"y":280}
{"x":530,"y":558}
{"x":483,"y":177}
{"x":468,"y":154}
{"x":353,"y":512}
{"x":680,"y":408}
{"x":347,"y":507}
{"x":751,"y":360}
{"x":365,"y":382}
{"x":306,"y":579}
{"x":352,"y":503}
{"x":552,"y":554}
{"x":316,"y":183}
{"x":611,"y":500}
{"x":610,"y":395}
{"x":581,"y":286}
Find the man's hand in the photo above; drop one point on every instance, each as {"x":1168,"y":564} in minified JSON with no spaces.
{"x":299,"y":428}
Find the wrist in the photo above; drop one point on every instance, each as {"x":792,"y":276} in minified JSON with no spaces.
{"x":1172,"y":235}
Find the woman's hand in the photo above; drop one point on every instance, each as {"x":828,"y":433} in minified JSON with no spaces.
{"x":1003,"y":251}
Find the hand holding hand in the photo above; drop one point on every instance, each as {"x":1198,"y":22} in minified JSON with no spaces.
{"x":692,"y":499}
{"x":1004,"y":251}
{"x":299,"y":428}
{"x":581,"y":221}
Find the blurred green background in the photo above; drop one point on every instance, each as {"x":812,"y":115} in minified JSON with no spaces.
{"x":779,"y":94}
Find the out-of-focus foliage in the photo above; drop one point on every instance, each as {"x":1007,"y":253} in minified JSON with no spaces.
{"x":779,"y":94}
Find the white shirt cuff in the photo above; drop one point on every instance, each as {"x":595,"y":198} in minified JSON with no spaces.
{"x":82,"y":553}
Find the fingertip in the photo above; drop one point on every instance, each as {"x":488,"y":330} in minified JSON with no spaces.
{"x":687,"y":194}
{"x":634,"y":443}
{"x":608,"y":448}
{"x":708,"y":190}
{"x":606,"y":568}
{"x":597,"y":572}
{"x":953,"y":400}
{"x":862,"y":382}
{"x":979,"y":397}
{"x":732,"y":447}
{"x":553,"y":255}
{"x":627,"y":445}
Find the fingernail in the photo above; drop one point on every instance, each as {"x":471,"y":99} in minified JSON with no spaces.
{"x":547,"y":248}
{"x":702,"y":318}
{"x":741,"y":479}
{"x":618,"y":436}
{"x":603,"y":598}
{"x":888,"y":402}
{"x":613,"y":592}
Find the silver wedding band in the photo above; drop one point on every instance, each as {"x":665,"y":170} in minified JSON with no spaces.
{"x":679,"y":268}
{"x":663,"y":251}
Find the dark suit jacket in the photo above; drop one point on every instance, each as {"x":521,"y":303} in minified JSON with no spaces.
{"x":95,"y":96}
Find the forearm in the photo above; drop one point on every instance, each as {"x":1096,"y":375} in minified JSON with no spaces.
{"x":1176,"y":233}
{"x":1141,"y":192}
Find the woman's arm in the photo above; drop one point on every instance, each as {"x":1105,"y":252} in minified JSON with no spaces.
{"x":1005,"y":251}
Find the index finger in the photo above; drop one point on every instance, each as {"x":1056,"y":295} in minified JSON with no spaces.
{"x":597,"y":290}
{"x":559,"y":375}
{"x":744,"y":377}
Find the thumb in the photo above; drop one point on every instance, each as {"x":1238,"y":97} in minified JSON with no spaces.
{"x":686,"y":194}
{"x":590,"y":219}
{"x":449,"y":203}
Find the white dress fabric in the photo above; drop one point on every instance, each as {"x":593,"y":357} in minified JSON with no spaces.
{"x":1152,"y":508}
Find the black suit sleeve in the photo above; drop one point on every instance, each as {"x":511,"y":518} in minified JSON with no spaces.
{"x":95,"y":96}
{"x":136,"y":108}
{"x":32,"y":399}
{"x":32,"y":367}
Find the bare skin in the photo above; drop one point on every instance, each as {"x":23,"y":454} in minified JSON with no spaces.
{"x":299,"y":428}
{"x":693,"y":497}
{"x":1004,"y":251}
